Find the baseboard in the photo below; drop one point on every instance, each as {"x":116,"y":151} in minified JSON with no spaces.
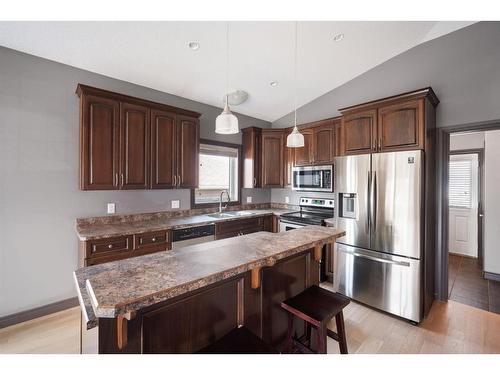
{"x":462,"y":255}
{"x":37,"y":312}
{"x":491,"y":276}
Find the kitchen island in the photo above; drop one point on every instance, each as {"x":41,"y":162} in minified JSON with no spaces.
{"x":183,"y":300}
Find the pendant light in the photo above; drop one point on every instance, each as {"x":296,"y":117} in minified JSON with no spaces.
{"x":295,"y":138}
{"x":226,"y":122}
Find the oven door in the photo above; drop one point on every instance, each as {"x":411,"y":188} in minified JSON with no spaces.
{"x":286,"y":226}
{"x":317,"y":178}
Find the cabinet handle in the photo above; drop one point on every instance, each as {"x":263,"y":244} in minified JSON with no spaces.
{"x":175,"y":180}
{"x":178,"y":180}
{"x":153,"y":239}
{"x":122,"y":179}
{"x":254,"y":182}
{"x":379,"y":143}
{"x":110,"y":246}
{"x":116,"y":179}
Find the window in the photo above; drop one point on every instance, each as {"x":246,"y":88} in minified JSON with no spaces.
{"x":460,"y":183}
{"x":218,"y":171}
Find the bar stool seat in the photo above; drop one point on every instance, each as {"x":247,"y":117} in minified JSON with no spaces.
{"x":239,"y":341}
{"x":316,"y":306}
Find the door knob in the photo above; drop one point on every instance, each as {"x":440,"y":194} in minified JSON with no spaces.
{"x":481,"y":215}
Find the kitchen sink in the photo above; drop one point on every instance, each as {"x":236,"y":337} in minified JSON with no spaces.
{"x":221,"y":215}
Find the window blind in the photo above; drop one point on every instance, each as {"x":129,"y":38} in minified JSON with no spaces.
{"x":460,"y":183}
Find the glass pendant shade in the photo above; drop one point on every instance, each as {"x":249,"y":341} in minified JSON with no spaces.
{"x":226,"y":122}
{"x":295,"y":138}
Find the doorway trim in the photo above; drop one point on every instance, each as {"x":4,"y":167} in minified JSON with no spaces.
{"x":480,"y":197}
{"x":442,"y":183}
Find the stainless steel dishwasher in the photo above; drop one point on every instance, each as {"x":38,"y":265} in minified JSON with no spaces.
{"x":192,"y":236}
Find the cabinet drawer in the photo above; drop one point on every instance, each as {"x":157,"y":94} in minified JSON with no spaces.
{"x":124,"y":255}
{"x":108,"y":246}
{"x":239,"y":225}
{"x":151,"y":239}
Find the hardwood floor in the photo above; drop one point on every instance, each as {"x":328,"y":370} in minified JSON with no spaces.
{"x":450,"y":328}
{"x":467,"y":285}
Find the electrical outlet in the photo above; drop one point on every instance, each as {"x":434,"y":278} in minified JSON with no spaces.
{"x":249,"y":199}
{"x":287,"y":199}
{"x":175,"y":203}
{"x":111,"y":208}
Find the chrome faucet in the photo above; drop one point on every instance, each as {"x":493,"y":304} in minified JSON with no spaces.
{"x":220,"y":200}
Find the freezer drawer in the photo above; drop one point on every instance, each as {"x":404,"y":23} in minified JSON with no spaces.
{"x":386,"y":282}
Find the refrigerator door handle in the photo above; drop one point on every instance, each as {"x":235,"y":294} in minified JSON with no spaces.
{"x":368,"y":191}
{"x":373,"y":199}
{"x":376,"y":259}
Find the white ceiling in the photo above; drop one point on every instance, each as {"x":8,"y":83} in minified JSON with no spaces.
{"x":155,"y":54}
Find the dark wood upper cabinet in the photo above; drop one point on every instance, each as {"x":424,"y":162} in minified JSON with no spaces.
{"x":188,"y":148}
{"x":359,"y":132}
{"x":272,"y":158}
{"x":304,"y":155}
{"x":395,"y":123}
{"x":252,"y":153}
{"x":324,"y":143}
{"x":163,"y":167}
{"x":99,"y":143}
{"x":132,"y":143}
{"x":401,"y":125}
{"x":134,"y":146}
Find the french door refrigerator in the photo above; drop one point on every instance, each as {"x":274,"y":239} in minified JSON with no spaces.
{"x":379,"y":204}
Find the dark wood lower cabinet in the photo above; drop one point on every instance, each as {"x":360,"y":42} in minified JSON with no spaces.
{"x":233,"y":228}
{"x":187,"y":323}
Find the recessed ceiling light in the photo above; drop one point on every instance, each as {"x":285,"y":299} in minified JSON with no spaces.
{"x":274,"y":83}
{"x":194,"y":45}
{"x":338,"y":37}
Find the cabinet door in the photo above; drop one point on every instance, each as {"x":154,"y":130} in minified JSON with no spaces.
{"x":401,"y":126}
{"x":162,"y":149}
{"x":338,"y":138}
{"x":188,"y":148}
{"x":272,"y":159}
{"x":303,"y":155}
{"x":134,"y":148}
{"x":251,"y":142}
{"x":324,"y":144}
{"x":359,"y":132}
{"x":289,"y":156}
{"x":99,"y":143}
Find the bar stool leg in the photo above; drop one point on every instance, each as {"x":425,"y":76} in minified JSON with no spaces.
{"x":339,"y":320}
{"x":289,"y":340}
{"x":321,"y":339}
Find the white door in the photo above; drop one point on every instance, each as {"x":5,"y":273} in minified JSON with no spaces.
{"x":463,"y":195}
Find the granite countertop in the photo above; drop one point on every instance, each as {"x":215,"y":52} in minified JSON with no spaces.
{"x":111,"y":289}
{"x":97,"y":230}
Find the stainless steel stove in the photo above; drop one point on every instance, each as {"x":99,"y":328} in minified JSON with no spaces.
{"x":313,"y":211}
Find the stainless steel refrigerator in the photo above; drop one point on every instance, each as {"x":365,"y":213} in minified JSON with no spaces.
{"x":379,"y":204}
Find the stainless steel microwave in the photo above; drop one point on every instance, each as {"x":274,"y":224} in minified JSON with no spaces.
{"x":313,"y":178}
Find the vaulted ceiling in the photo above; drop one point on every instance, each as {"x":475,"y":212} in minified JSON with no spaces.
{"x":156,"y":55}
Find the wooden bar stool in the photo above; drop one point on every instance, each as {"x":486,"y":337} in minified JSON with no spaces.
{"x":239,"y":341}
{"x":316,"y":306}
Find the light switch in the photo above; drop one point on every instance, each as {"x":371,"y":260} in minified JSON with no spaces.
{"x":111,"y":208}
{"x":175,"y":203}
{"x":249,"y":199}
{"x":287,"y":199}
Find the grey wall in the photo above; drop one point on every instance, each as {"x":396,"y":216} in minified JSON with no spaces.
{"x":39,"y":196}
{"x":463,"y":68}
{"x":492,"y":202}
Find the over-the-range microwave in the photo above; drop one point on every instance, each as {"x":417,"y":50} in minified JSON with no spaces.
{"x":313,"y":178}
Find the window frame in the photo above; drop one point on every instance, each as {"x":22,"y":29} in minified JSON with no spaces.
{"x":240,"y":175}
